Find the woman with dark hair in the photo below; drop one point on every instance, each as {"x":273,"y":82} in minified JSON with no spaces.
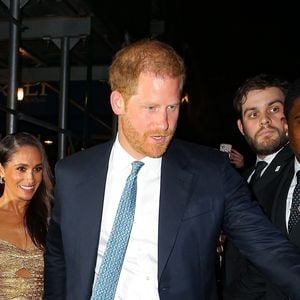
{"x":26,"y":191}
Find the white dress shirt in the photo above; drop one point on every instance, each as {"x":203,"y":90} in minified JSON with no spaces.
{"x":138,"y":279}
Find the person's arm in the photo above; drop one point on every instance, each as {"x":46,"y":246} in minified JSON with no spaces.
{"x":249,"y":283}
{"x":258,"y":239}
{"x":55,"y":273}
{"x":54,"y":264}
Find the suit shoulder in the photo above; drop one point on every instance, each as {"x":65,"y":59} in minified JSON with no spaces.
{"x":85,"y":157}
{"x":285,"y":153}
{"x":198,"y":152}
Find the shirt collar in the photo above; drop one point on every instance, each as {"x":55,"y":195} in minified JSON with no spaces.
{"x":269,"y":158}
{"x":122,"y":159}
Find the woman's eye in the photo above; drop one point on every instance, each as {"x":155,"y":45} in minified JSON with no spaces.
{"x":21,"y":169}
{"x":38,"y":169}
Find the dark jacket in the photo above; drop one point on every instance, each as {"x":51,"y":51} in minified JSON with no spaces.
{"x":241,"y":279}
{"x":200,"y":195}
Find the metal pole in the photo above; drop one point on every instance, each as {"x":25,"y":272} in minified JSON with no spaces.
{"x":87,"y":99}
{"x":11,"y":124}
{"x":63,"y":104}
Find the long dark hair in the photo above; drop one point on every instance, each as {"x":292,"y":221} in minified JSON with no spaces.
{"x":38,"y":209}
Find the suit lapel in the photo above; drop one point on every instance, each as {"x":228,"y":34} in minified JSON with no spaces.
{"x":248,"y":172}
{"x":279,"y":206}
{"x":175,"y":186}
{"x":275,"y":167}
{"x":90,"y":195}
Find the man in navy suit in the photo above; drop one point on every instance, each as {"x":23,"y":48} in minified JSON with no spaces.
{"x":186,"y":195}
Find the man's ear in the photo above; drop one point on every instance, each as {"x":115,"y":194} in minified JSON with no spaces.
{"x":285,"y":126}
{"x":117,"y":103}
{"x":240,"y":126}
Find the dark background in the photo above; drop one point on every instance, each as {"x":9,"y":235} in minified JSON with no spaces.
{"x":222,"y":42}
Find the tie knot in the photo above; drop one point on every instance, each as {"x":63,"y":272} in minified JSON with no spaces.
{"x":136,"y":166}
{"x":260,"y":166}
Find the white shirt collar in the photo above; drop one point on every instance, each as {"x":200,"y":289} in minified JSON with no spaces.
{"x":121,"y":158}
{"x":268,"y":158}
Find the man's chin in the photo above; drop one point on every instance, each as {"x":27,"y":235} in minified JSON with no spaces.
{"x":267,"y":149}
{"x":156,"y":151}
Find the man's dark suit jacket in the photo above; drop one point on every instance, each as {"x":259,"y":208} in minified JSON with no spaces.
{"x":279,"y":219}
{"x":241,"y":280}
{"x":201,"y":194}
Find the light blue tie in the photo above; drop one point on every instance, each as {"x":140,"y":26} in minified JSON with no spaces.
{"x":113,"y":257}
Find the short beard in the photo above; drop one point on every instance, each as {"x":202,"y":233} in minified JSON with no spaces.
{"x":272,"y":146}
{"x":138,"y":141}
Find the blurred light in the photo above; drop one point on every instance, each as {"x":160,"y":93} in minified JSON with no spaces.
{"x":48,"y":142}
{"x":20,"y":94}
{"x":185,"y":99}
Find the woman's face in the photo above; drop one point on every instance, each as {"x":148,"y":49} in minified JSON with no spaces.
{"x":22,"y":174}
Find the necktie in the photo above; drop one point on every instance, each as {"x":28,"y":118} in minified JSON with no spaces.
{"x":258,"y":169}
{"x":295,"y":208}
{"x":113,"y":257}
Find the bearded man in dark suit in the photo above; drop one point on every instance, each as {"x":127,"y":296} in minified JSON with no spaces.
{"x":259,"y":101}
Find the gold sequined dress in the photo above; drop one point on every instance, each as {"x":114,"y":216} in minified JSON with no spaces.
{"x":14,"y":282}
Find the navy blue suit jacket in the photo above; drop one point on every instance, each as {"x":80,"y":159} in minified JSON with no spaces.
{"x":201,"y":194}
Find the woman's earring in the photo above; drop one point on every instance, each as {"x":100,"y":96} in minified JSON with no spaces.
{"x":1,"y":180}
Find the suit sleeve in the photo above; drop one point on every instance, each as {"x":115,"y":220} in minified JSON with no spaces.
{"x":55,"y":273}
{"x":258,"y":239}
{"x":54,"y":264}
